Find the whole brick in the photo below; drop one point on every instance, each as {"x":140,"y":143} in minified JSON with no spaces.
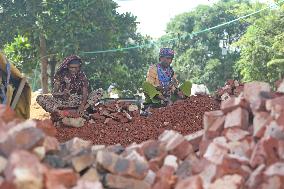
{"x":194,"y":182}
{"x":215,"y":153}
{"x":210,"y":117}
{"x":215,"y":129}
{"x":232,"y":103}
{"x":60,"y":177}
{"x":253,"y":90}
{"x":237,"y":118}
{"x":120,"y":182}
{"x":82,"y":162}
{"x":260,"y":121}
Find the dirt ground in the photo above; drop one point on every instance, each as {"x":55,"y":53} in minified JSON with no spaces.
{"x":36,"y":110}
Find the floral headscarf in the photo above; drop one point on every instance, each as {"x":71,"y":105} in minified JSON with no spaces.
{"x":65,"y":63}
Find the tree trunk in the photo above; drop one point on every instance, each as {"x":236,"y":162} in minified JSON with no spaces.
{"x":52,"y":65}
{"x":44,"y":64}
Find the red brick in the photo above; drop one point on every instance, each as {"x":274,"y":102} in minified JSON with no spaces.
{"x":60,"y":177}
{"x":82,"y":184}
{"x":194,"y":182}
{"x":275,"y":169}
{"x":233,"y":103}
{"x":210,"y":117}
{"x":24,"y":170}
{"x":228,"y":182}
{"x":237,"y":118}
{"x":82,"y":162}
{"x":235,"y":134}
{"x":274,"y":130}
{"x":153,"y":150}
{"x":255,"y":177}
{"x":204,"y":143}
{"x":274,"y":182}
{"x":216,"y":128}
{"x":21,"y":139}
{"x":240,"y":149}
{"x":215,"y":153}
{"x":195,"y":138}
{"x":252,"y":92}
{"x":47,"y":127}
{"x":275,"y":104}
{"x":165,"y":178}
{"x":3,"y":163}
{"x":260,"y":121}
{"x":281,"y":149}
{"x":122,"y":166}
{"x":91,"y":175}
{"x":76,"y":144}
{"x":119,"y":182}
{"x":51,"y":144}
{"x":232,"y":165}
{"x":265,"y":152}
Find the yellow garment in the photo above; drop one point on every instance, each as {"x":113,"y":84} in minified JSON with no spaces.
{"x":153,"y":79}
{"x":23,"y":106}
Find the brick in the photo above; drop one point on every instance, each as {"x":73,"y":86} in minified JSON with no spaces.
{"x":117,"y":148}
{"x":182,"y":150}
{"x":91,"y":175}
{"x":171,"y":160}
{"x":60,"y":177}
{"x":235,"y":134}
{"x":150,"y":177}
{"x":194,"y":182}
{"x":195,"y":138}
{"x":274,"y":130}
{"x":237,"y":118}
{"x":82,"y":162}
{"x":216,"y":128}
{"x":24,"y":170}
{"x":276,"y":169}
{"x":153,"y":150}
{"x":260,"y":121}
{"x":82,"y":184}
{"x":165,"y":178}
{"x":208,"y":174}
{"x":280,"y":150}
{"x":255,"y":177}
{"x":210,"y":117}
{"x":275,"y":103}
{"x":3,"y":163}
{"x":21,"y":139}
{"x":233,"y":103}
{"x":215,"y":153}
{"x":203,"y":145}
{"x":252,"y":93}
{"x":51,"y":144}
{"x":77,"y":144}
{"x":39,"y":152}
{"x":265,"y":152}
{"x":176,"y":144}
{"x":122,"y":166}
{"x":119,"y":182}
{"x":274,"y":182}
{"x":232,"y":165}
{"x":242,"y":150}
{"x":73,"y":122}
{"x":228,"y":182}
{"x":184,"y":170}
{"x":171,"y":138}
{"x":47,"y":127}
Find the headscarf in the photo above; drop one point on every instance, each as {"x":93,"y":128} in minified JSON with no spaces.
{"x":167,"y":52}
{"x":65,"y":63}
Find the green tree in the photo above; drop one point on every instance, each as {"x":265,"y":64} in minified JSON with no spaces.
{"x":262,"y":54}
{"x":56,"y":29}
{"x":208,"y":57}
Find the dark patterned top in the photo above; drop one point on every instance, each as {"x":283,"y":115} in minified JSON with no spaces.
{"x":73,"y":83}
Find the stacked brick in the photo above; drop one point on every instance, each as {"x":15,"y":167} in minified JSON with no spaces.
{"x":241,"y":146}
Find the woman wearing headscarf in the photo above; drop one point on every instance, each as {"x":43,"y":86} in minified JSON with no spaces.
{"x":161,"y":86}
{"x":70,"y":88}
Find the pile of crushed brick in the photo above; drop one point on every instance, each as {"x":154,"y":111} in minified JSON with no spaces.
{"x":231,"y":88}
{"x":240,"y":147}
{"x":183,"y":116}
